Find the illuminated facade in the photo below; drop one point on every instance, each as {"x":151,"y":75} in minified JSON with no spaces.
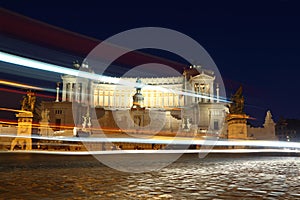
{"x":165,"y":107}
{"x":163,"y":98}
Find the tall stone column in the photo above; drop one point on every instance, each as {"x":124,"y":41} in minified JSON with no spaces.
{"x":64,"y":90}
{"x":126,"y":99}
{"x":120,"y":98}
{"x":162,"y":99}
{"x":82,"y":93}
{"x":108,"y":104}
{"x":114,"y":103}
{"x":71,"y":92}
{"x":157,"y":99}
{"x":184,"y":89}
{"x":103,"y":98}
{"x":152,"y":99}
{"x":211,"y":92}
{"x":76,"y":94}
{"x":218,"y":93}
{"x":92,"y":95}
{"x":57,"y":93}
{"x":146,"y":99}
{"x":98,"y":97}
{"x":168,"y":99}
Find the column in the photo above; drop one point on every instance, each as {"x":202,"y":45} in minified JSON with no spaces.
{"x":162,"y":99}
{"x":108,"y":98}
{"x":71,"y":92}
{"x":156,"y":99}
{"x":75,"y":92}
{"x":120,"y":98}
{"x":218,"y":93}
{"x":184,"y":88}
{"x":130,"y":98}
{"x":211,"y":92}
{"x":196,"y":91}
{"x":151,"y":98}
{"x":174,"y":99}
{"x":125,"y":99}
{"x":103,"y":97}
{"x":98,"y":97}
{"x":64,"y":96}
{"x":57,"y":94}
{"x":92,"y":91}
{"x":114,"y":104}
{"x":145,"y":94}
{"x":83,"y":93}
{"x":117,"y":98}
{"x":80,"y":92}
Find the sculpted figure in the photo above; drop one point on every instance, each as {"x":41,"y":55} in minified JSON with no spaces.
{"x":237,"y":105}
{"x":28,"y":102}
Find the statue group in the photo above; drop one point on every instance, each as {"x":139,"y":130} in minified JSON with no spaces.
{"x":237,"y":105}
{"x":28,"y":102}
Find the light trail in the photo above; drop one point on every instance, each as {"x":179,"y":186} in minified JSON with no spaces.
{"x":186,"y":151}
{"x":19,"y":85}
{"x":22,"y":85}
{"x":173,"y":141}
{"x":30,"y":63}
{"x":12,"y":122}
{"x":14,"y":110}
{"x":23,"y":92}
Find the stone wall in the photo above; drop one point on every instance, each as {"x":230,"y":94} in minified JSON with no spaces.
{"x":267,"y":132}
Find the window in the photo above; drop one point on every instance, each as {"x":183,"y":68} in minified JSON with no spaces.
{"x":58,"y":112}
{"x":216,"y":125}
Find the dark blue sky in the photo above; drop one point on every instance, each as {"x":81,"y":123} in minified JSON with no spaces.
{"x":255,"y":44}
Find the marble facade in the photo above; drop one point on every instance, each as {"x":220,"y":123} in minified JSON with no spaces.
{"x":200,"y":112}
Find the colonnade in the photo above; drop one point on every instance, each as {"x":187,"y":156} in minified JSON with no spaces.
{"x":122,"y":98}
{"x":74,"y":90}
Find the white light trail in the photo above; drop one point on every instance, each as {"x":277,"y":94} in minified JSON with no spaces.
{"x":30,"y":63}
{"x":186,"y":151}
{"x":174,"y":141}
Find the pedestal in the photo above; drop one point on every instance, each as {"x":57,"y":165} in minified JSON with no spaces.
{"x":45,"y":129}
{"x":24,"y":131}
{"x":237,"y":126}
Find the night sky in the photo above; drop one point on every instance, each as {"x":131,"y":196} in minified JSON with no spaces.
{"x":254,"y":44}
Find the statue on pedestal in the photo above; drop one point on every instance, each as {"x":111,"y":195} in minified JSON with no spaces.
{"x":237,"y":119}
{"x":45,"y":115}
{"x":84,"y":122}
{"x":237,"y":105}
{"x":28,"y":102}
{"x":25,"y":123}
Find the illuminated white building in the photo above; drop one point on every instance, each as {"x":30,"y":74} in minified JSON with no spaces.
{"x":188,"y":103}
